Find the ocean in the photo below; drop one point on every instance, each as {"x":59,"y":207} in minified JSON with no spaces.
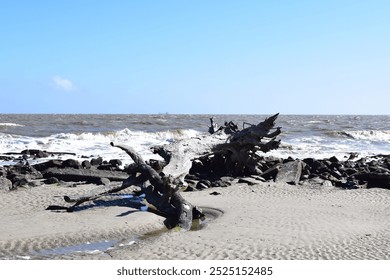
{"x":88,"y":136}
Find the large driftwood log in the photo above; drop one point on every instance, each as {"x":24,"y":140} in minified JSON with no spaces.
{"x":236,"y":148}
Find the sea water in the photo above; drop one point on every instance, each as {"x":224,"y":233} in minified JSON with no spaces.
{"x":87,"y":136}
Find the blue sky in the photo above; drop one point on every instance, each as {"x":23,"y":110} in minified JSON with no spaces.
{"x":233,"y":57}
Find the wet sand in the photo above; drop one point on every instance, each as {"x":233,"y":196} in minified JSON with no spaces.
{"x":263,"y":221}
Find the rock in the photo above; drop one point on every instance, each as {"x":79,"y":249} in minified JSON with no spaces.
{"x":17,"y":170}
{"x":374,"y":180}
{"x":115,"y":163}
{"x":215,"y":193}
{"x":290,"y":172}
{"x":309,"y":161}
{"x":105,"y":166}
{"x":97,"y":161}
{"x":86,"y":164}
{"x":72,"y":163}
{"x":5,"y":184}
{"x":333,"y":159}
{"x":48,"y":164}
{"x":36,"y":153}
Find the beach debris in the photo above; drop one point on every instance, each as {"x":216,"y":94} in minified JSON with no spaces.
{"x":290,"y":172}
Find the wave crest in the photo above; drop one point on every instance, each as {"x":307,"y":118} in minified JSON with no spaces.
{"x":371,"y":135}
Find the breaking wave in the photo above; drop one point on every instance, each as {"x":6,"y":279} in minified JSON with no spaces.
{"x":95,"y":144}
{"x":10,"y":124}
{"x":371,"y":135}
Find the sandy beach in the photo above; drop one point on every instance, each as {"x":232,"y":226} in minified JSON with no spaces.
{"x":263,"y":221}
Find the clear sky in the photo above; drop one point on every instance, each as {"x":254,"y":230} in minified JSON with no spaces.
{"x":200,"y":56}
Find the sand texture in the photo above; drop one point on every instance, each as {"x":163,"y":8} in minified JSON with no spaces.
{"x":262,"y":221}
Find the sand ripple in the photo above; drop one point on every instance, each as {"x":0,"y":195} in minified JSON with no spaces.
{"x":264,"y":221}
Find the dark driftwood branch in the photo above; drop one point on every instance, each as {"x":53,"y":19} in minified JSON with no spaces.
{"x":163,"y":193}
{"x":102,"y":191}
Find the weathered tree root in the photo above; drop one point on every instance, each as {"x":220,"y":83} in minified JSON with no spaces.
{"x":227,"y":145}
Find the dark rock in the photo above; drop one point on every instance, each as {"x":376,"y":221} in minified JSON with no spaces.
{"x":333,"y":159}
{"x":315,"y":165}
{"x":97,"y":161}
{"x":290,"y":172}
{"x":51,"y":180}
{"x":105,"y":166}
{"x":36,"y":153}
{"x":115,"y":162}
{"x":309,"y":161}
{"x":215,"y":193}
{"x":71,"y":163}
{"x":288,"y":159}
{"x":86,"y":164}
{"x":7,"y":158}
{"x":374,"y":180}
{"x":48,"y":164}
{"x":23,"y":170}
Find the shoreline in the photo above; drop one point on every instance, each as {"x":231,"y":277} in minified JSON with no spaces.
{"x":262,"y":221}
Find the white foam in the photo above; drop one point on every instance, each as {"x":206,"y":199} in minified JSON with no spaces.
{"x":95,"y":144}
{"x":10,"y":124}
{"x":371,"y":135}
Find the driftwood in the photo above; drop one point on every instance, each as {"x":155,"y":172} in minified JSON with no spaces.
{"x":89,"y":175}
{"x":235,"y":149}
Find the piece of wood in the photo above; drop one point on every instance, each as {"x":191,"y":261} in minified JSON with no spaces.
{"x":89,"y":175}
